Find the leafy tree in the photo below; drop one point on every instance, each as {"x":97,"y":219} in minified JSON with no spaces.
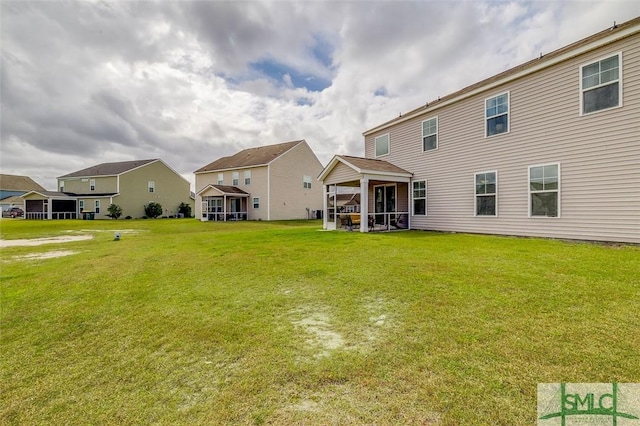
{"x":153,"y":210}
{"x":185,"y":209}
{"x":115,"y":211}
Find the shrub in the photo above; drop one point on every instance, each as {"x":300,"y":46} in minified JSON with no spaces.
{"x":153,"y":210}
{"x":114,"y":211}
{"x":185,"y":209}
{"x":128,"y":217}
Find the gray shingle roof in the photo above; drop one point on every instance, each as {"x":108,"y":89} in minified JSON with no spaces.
{"x":371,"y":164}
{"x":109,"y":169}
{"x":18,"y":183}
{"x":250,"y":157}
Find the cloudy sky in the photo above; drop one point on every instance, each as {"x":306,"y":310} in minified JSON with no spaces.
{"x":88,"y":82}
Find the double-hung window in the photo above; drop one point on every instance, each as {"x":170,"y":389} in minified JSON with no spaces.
{"x":97,"y":208}
{"x":544,"y":188}
{"x":600,"y":84}
{"x":247,"y":177}
{"x":81,"y":205}
{"x":306,"y":182}
{"x":61,"y":185}
{"x":235,"y":177}
{"x":92,"y":185}
{"x":420,"y":198}
{"x":151,"y":186}
{"x":220,"y":178}
{"x":382,"y":145}
{"x":430,"y":134}
{"x":486,"y":194}
{"x":497,"y":114}
{"x":256,"y":202}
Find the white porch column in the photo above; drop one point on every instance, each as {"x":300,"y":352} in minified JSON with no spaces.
{"x":49,"y":209}
{"x":324,"y":206}
{"x":364,"y":205}
{"x":224,"y":207}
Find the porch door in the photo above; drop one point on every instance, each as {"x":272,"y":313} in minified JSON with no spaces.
{"x":331,"y":213}
{"x":385,"y":203}
{"x":234,"y":207}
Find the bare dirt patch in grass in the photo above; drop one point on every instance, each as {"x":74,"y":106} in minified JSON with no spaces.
{"x":40,"y":241}
{"x":317,"y":327}
{"x":46,"y":255}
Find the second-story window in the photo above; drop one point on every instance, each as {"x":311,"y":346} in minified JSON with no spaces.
{"x":430,"y":134}
{"x":497,"y":114}
{"x":600,"y":84}
{"x":151,"y":185}
{"x":61,"y":185}
{"x":382,"y":145}
{"x":235,"y":177}
{"x":92,"y":185}
{"x":247,"y":177}
{"x":220,"y":178}
{"x":306,"y":182}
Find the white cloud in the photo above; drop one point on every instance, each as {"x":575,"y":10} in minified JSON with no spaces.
{"x":114,"y":81}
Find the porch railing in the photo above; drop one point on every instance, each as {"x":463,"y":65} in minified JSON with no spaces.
{"x":35,"y":215}
{"x":221,"y":217}
{"x":54,"y":215}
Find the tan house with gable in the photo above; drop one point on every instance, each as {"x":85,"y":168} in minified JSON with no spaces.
{"x":129,"y":184}
{"x":550,"y":148}
{"x":274,"y":182}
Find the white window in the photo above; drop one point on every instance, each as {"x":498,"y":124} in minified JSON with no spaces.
{"x":486,"y":194}
{"x":220,"y":178}
{"x":61,"y":185}
{"x":600,"y":84}
{"x":306,"y":182}
{"x":430,"y":134}
{"x":420,"y":198}
{"x":544,"y":190}
{"x":256,"y":203}
{"x":235,"y":178}
{"x":497,"y":114}
{"x":247,"y":177}
{"x":92,"y":185}
{"x":97,"y":209}
{"x":81,"y":205}
{"x":151,"y":185}
{"x":382,"y":145}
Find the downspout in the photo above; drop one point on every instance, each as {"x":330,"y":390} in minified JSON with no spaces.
{"x":269,"y":192}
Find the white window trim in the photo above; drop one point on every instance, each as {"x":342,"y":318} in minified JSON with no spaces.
{"x":247,"y":175}
{"x":620,"y":103}
{"x":508,"y":113}
{"x":61,"y":186}
{"x":151,"y":187}
{"x":475,"y":196}
{"x":220,"y":178}
{"x":253,"y":202}
{"x":306,"y":180}
{"x":92,"y":185}
{"x":96,"y":206}
{"x":426,"y":193}
{"x":437,"y":133}
{"x":81,"y":205}
{"x":551,"y":190}
{"x":375,"y":145}
{"x":235,"y":178}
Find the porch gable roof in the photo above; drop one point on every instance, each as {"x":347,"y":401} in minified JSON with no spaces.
{"x":224,"y":190}
{"x":49,"y":194}
{"x":366,"y":166}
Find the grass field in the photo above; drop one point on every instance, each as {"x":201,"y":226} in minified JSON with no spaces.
{"x":183,"y":322}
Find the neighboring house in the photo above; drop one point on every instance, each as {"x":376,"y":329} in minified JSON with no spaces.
{"x":129,"y":184}
{"x":12,"y":186}
{"x":274,"y":182}
{"x":550,"y":148}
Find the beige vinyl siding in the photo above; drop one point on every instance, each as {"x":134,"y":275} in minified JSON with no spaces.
{"x":104,"y":184}
{"x":170,"y":190}
{"x":341,"y":173}
{"x":288,"y":198}
{"x":599,"y":156}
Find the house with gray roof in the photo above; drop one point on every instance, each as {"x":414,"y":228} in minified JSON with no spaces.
{"x":12,"y":187}
{"x":549,"y":148}
{"x":273,"y":182}
{"x":129,"y":184}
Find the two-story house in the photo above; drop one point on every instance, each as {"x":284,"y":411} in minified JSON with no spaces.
{"x":129,"y":184}
{"x":274,"y":182}
{"x":550,"y":148}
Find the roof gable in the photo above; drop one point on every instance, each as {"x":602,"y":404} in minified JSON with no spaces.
{"x":224,"y":190}
{"x":250,"y":157}
{"x":109,"y":169}
{"x":19,"y":183}
{"x":364,"y":166}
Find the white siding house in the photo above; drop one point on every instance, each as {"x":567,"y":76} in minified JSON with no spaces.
{"x":550,"y":148}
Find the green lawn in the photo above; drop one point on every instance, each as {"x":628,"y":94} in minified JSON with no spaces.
{"x":183,"y":322}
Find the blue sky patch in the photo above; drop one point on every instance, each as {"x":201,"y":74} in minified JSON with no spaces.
{"x":276,"y":71}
